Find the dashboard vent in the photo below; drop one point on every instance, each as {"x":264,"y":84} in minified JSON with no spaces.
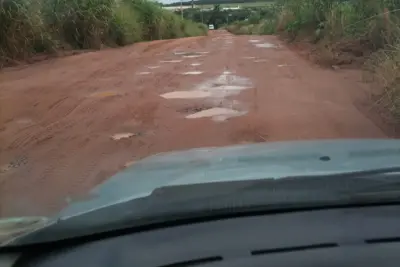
{"x":194,"y":262}
{"x":290,"y":249}
{"x":382,"y":240}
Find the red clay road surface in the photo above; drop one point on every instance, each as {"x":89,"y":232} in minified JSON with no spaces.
{"x":58,"y":116}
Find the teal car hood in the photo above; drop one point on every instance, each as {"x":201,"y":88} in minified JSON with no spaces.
{"x":235,"y":163}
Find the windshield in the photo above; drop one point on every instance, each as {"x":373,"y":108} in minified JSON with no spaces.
{"x":109,"y":106}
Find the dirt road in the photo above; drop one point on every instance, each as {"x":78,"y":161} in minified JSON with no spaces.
{"x":67,"y":124}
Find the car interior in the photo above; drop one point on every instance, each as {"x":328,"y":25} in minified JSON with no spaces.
{"x":355,"y":236}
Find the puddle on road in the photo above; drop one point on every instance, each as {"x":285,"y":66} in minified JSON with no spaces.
{"x":153,"y":67}
{"x":171,"y":61}
{"x":143,"y":73}
{"x":224,"y":85}
{"x":186,"y":94}
{"x":192,"y":56}
{"x":186,"y":54}
{"x":266,"y":45}
{"x":254,"y":41}
{"x":220,"y":87}
{"x":120,"y":136}
{"x":215,"y":90}
{"x":195,"y":64}
{"x":194,"y":109}
{"x":192,"y":73}
{"x":260,"y":60}
{"x":249,"y":57}
{"x":217,"y":114}
{"x":179,"y":53}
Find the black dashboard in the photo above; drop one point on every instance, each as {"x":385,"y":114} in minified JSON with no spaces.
{"x":364,"y":236}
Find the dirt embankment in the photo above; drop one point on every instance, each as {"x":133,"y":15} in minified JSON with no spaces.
{"x":68,"y":124}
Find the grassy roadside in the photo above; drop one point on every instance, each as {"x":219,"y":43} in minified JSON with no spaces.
{"x":28,"y":27}
{"x":363,"y":31}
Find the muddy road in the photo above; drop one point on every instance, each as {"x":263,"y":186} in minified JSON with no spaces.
{"x":69,"y":123}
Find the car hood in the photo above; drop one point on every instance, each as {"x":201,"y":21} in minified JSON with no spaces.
{"x":237,"y":163}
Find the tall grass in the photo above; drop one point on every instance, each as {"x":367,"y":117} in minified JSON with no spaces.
{"x":31,"y":26}
{"x":366,"y":30}
{"x":21,"y":29}
{"x":370,"y":24}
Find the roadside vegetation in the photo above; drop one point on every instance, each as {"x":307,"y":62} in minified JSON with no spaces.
{"x":220,"y":16}
{"x":29,"y":27}
{"x":343,"y":32}
{"x":223,"y":3}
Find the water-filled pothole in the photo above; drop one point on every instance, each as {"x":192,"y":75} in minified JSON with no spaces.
{"x":192,"y":73}
{"x":171,"y":61}
{"x":194,"y":108}
{"x":192,"y":56}
{"x":189,"y":54}
{"x":186,"y":94}
{"x":266,"y":45}
{"x":217,"y":114}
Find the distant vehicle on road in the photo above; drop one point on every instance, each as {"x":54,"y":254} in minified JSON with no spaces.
{"x":211,"y":26}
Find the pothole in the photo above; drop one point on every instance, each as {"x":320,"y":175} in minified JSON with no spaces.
{"x":105,"y":94}
{"x":189,"y":54}
{"x":171,"y":61}
{"x":266,"y":45}
{"x":192,"y":56}
{"x":217,"y":114}
{"x":14,"y":164}
{"x":186,"y":94}
{"x":194,"y":109}
{"x":192,"y":73}
{"x":224,"y":85}
{"x":120,"y":136}
{"x":285,"y":65}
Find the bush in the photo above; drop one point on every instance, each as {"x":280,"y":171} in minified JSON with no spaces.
{"x":82,"y":24}
{"x":384,"y":66}
{"x":363,"y":29}
{"x":22,"y":31}
{"x":31,"y":26}
{"x":125,"y":27}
